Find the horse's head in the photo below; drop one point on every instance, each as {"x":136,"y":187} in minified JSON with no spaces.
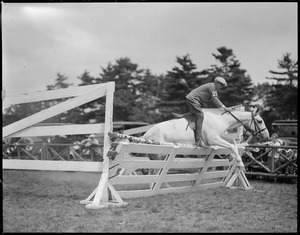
{"x":258,"y":127}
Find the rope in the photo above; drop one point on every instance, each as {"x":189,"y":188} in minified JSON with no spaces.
{"x":145,"y":140}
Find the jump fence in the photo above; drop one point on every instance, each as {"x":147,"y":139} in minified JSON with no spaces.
{"x":169,"y":171}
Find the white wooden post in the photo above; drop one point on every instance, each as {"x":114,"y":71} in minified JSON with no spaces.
{"x":104,"y":194}
{"x":108,"y":116}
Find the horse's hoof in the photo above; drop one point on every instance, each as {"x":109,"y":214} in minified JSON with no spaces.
{"x":241,"y":165}
{"x":242,"y":168}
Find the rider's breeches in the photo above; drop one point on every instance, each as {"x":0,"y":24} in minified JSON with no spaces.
{"x":195,"y":107}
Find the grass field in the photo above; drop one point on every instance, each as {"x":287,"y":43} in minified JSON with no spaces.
{"x":37,"y":201}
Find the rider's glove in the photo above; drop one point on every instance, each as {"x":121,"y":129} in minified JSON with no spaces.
{"x":226,"y":109}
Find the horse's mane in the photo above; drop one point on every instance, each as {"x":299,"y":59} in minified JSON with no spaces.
{"x":219,"y":110}
{"x":213,"y":110}
{"x":207,"y":111}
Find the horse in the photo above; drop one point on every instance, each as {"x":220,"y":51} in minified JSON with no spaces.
{"x":215,"y":124}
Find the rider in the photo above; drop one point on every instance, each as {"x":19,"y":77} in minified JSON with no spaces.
{"x":197,"y":98}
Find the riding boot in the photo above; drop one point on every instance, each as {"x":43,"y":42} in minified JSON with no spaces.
{"x":199,"y":139}
{"x":200,"y":143}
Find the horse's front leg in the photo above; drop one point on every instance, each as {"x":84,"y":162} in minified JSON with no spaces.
{"x":217,"y":140}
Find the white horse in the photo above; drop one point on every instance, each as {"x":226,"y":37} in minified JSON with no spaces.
{"x":216,"y":122}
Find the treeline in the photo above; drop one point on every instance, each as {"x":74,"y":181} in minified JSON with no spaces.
{"x":143,"y":96}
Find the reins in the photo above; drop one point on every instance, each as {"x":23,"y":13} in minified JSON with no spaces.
{"x":256,"y":126}
{"x":254,"y":133}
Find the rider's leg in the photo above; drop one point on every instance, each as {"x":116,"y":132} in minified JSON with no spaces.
{"x":199,"y":138}
{"x":195,"y":107}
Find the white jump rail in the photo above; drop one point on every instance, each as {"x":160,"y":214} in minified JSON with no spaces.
{"x":179,"y":174}
{"x":77,"y":96}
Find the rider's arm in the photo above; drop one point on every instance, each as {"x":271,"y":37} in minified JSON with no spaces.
{"x":215,"y":99}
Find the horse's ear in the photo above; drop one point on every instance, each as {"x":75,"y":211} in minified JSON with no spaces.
{"x":256,"y":111}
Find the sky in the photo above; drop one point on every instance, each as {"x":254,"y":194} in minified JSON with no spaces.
{"x":40,"y":40}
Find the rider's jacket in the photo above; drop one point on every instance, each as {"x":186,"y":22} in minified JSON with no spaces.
{"x":204,"y":94}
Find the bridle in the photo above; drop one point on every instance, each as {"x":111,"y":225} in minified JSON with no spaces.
{"x":256,"y":132}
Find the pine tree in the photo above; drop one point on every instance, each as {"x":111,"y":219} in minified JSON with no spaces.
{"x":20,"y":111}
{"x":282,"y":99}
{"x":261,"y":91}
{"x":289,"y":75}
{"x":90,"y":112}
{"x":60,"y":83}
{"x":177,"y":84}
{"x":240,"y":86}
{"x":127,"y":77}
{"x":86,"y":79}
{"x":149,"y":93}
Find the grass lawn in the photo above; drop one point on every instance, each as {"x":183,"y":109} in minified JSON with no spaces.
{"x":42,"y":201}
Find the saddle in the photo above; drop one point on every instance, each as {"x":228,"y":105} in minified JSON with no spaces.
{"x":190,"y":117}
